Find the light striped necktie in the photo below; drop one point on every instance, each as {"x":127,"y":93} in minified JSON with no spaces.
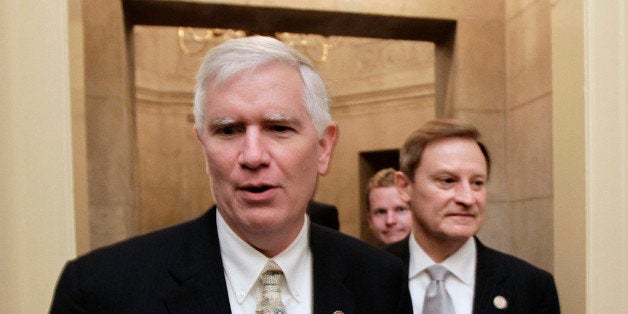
{"x":269,"y":295}
{"x":437,"y":299}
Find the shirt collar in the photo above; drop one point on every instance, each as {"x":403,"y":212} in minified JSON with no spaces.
{"x":461,"y":264}
{"x":243,"y":263}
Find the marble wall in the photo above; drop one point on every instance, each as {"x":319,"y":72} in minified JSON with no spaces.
{"x":529,"y":130}
{"x":110,"y":124}
{"x":374,"y":84}
{"x":499,"y":80}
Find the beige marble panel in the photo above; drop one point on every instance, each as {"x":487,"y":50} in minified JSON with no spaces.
{"x":492,"y":127}
{"x":362,"y":131}
{"x":454,"y":9}
{"x":496,"y":230}
{"x":533,"y":231}
{"x":529,"y":131}
{"x":160,"y":64}
{"x":528,"y":48}
{"x":515,"y":7}
{"x":430,"y":8}
{"x":530,"y":150}
{"x":361,"y":65}
{"x":171,"y":167}
{"x":105,"y":49}
{"x":110,"y":152}
{"x":110,"y":224}
{"x":523,"y":229}
{"x":480,"y":65}
{"x":109,"y":124}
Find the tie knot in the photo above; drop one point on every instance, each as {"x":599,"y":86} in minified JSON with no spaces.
{"x":271,"y":274}
{"x":437,"y":272}
{"x":269,"y":295}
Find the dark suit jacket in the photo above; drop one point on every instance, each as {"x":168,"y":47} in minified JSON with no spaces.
{"x":323,"y":214}
{"x":179,"y":270}
{"x":527,"y":288}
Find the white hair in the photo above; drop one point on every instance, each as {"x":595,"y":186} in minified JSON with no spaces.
{"x":248,"y":53}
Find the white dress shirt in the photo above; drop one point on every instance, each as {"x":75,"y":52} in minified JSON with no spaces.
{"x":243,"y":264}
{"x":460,"y":284}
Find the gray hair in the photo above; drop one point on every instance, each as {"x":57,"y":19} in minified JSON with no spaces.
{"x":248,"y":53}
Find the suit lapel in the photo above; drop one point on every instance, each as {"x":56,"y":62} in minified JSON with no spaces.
{"x":199,"y":271}
{"x":201,"y":282}
{"x":489,"y":278}
{"x":329,"y":271}
{"x":490,"y":274}
{"x":401,"y":249}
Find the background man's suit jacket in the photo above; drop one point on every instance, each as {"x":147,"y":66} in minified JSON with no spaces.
{"x":526,"y":288}
{"x":323,"y":214}
{"x":179,"y":270}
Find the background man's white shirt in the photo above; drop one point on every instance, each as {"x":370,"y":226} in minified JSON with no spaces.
{"x":460,"y":284}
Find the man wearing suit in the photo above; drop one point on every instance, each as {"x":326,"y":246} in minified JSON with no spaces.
{"x":263,"y":122}
{"x":443,"y":174}
{"x":323,"y":214}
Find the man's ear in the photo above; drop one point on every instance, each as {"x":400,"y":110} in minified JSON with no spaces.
{"x":197,"y":134}
{"x":199,"y":137}
{"x":325,"y":147}
{"x":403,"y":183}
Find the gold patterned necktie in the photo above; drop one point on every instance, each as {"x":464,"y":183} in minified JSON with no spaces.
{"x":437,"y":299}
{"x":269,"y":295}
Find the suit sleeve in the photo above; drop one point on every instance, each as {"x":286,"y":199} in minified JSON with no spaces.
{"x":405,"y":301}
{"x":67,"y":296}
{"x":549,"y":302}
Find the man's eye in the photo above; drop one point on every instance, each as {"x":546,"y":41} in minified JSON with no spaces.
{"x":227,"y":130}
{"x":380,"y":212}
{"x":446,"y":182}
{"x":479,"y":183}
{"x":280,"y":128}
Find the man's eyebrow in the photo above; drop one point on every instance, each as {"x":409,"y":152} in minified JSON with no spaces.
{"x":221,"y":122}
{"x":282,"y":118}
{"x":278,"y":117}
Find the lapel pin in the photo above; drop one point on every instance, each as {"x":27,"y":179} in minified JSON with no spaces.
{"x":500,"y":302}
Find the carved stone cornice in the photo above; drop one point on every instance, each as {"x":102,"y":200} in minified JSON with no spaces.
{"x":383,"y":100}
{"x":150,"y":96}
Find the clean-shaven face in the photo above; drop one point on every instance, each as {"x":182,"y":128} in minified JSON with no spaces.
{"x":389,"y":217}
{"x":448,"y":194}
{"x":262,"y":151}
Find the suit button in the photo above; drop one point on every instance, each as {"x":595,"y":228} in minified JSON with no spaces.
{"x":500,"y":302}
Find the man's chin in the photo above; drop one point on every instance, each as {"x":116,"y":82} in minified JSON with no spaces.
{"x":397,"y":238}
{"x":459,"y":235}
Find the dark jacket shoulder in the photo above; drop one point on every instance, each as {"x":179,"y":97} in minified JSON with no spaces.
{"x":138,"y":273}
{"x":357,"y":265}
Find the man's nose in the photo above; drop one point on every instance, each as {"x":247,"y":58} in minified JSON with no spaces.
{"x":254,"y":151}
{"x":464,"y":194}
{"x":391,"y":217}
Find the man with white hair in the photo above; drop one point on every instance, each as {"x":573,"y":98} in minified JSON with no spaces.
{"x":263,"y":122}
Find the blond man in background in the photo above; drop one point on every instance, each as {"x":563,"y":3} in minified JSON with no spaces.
{"x":389,"y":217}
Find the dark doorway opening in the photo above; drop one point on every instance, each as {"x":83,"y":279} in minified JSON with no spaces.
{"x":370,"y":163}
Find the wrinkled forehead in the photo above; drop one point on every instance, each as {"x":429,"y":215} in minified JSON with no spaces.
{"x":454,"y":151}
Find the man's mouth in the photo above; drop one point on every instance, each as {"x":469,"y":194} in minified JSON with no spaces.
{"x":462,"y":214}
{"x":256,"y":189}
{"x":256,"y":193}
